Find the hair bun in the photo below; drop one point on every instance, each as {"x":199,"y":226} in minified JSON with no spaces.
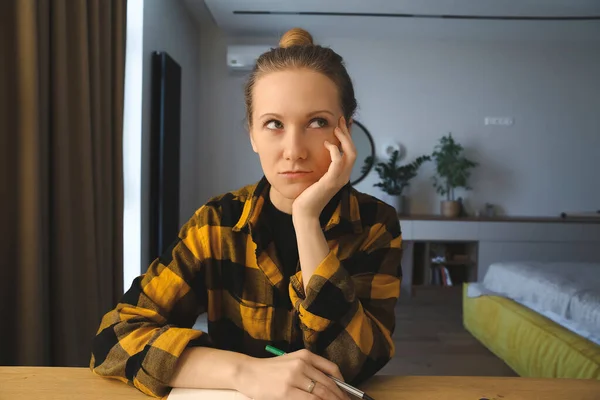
{"x":296,"y":37}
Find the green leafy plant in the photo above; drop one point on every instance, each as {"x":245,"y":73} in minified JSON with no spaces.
{"x":452,"y":167}
{"x":395,"y":178}
{"x":368,"y":163}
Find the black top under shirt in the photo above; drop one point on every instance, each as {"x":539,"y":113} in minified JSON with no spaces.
{"x":284,"y":234}
{"x":284,"y":237}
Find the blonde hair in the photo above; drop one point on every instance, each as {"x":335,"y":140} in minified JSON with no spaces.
{"x":296,"y":50}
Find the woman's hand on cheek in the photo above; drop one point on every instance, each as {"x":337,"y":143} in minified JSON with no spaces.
{"x":311,"y":201}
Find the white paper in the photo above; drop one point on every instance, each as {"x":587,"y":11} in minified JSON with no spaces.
{"x":205,"y":394}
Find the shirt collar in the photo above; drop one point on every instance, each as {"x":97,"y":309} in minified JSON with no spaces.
{"x":347,"y":210}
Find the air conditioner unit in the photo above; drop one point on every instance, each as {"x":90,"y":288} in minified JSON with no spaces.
{"x":243,"y":57}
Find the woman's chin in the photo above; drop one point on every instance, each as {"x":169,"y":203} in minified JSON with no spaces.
{"x":292,"y":190}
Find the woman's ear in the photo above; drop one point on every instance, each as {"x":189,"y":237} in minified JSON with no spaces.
{"x":254,"y":148}
{"x":252,"y":143}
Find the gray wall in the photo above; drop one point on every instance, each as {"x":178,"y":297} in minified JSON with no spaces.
{"x":223,"y":144}
{"x":169,"y":27}
{"x":413,"y":92}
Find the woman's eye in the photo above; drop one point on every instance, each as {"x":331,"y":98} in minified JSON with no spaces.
{"x":318,"y":123}
{"x":274,"y":124}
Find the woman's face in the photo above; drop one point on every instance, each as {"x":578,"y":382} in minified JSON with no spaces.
{"x":294,"y":112}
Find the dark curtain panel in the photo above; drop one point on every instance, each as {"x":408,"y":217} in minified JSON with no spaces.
{"x":61,"y":120}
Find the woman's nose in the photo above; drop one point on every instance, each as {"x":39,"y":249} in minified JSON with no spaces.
{"x":294,"y":145}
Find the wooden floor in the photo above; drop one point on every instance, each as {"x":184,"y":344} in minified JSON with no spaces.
{"x":431,"y":340}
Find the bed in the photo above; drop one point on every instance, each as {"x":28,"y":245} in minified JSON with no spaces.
{"x":542,"y":319}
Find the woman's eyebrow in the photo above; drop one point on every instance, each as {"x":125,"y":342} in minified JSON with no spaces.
{"x":319,"y":112}
{"x":307,"y":115}
{"x":271,"y":115}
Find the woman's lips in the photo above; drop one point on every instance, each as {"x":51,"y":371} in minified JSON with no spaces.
{"x":294,"y":174}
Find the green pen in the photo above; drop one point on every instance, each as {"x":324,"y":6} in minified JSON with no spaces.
{"x":343,"y":385}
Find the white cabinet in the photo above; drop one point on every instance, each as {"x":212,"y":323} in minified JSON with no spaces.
{"x":532,"y":232}
{"x":507,"y":239}
{"x":449,"y":230}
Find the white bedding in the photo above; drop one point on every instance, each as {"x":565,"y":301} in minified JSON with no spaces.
{"x":567,"y":293}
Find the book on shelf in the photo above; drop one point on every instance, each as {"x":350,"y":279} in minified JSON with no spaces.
{"x":440,"y":276}
{"x":447,"y":281}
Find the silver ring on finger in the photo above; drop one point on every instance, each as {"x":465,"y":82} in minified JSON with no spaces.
{"x":311,"y":387}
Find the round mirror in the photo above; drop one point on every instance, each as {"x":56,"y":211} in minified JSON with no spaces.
{"x":364,"y":148}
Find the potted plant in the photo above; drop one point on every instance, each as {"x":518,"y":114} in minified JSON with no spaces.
{"x":394,"y":178}
{"x":453,"y":171}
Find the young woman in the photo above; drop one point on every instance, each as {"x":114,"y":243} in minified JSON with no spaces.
{"x":300,"y":260}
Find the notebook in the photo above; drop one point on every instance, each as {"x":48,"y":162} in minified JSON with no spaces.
{"x":205,"y":394}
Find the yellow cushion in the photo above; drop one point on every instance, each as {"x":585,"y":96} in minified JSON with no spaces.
{"x":531,"y":344}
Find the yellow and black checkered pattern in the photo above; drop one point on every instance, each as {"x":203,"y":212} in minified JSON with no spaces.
{"x":224,"y":263}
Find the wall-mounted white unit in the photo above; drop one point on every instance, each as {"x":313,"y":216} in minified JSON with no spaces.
{"x":243,"y":57}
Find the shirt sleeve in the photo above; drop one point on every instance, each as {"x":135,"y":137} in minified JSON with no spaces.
{"x":347,"y":313}
{"x":139,"y":342}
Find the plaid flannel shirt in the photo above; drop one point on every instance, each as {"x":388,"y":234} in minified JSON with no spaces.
{"x":224,"y":263}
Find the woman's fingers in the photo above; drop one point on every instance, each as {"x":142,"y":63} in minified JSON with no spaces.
{"x":336,"y":167}
{"x":324,"y":384}
{"x":333,"y":151}
{"x":300,"y":394}
{"x":322,"y":364}
{"x":347,"y":145}
{"x":345,"y":139}
{"x":315,"y":368}
{"x":344,"y":126}
{"x":321,"y":390}
{"x":347,"y":158}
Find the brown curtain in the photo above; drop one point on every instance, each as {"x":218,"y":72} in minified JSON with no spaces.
{"x":61,"y":120}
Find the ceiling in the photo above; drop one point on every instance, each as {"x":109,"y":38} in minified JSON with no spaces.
{"x":418,"y":19}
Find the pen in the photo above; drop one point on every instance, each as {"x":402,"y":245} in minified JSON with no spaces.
{"x":343,"y":385}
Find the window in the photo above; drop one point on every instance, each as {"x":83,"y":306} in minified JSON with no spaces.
{"x":132,"y":142}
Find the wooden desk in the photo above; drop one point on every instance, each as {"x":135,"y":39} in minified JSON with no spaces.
{"x":38,"y":383}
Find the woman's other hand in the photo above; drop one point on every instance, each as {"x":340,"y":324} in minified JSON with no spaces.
{"x":290,"y":377}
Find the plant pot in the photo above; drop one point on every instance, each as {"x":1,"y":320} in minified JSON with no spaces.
{"x":450,"y":208}
{"x":398,"y":202}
